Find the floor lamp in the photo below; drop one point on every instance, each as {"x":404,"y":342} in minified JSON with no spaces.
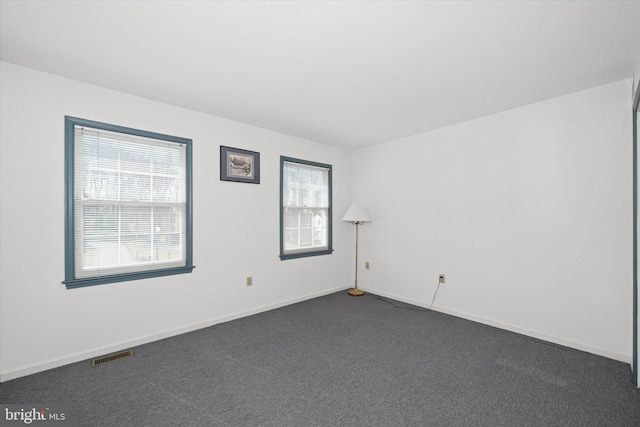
{"x":356,"y":215}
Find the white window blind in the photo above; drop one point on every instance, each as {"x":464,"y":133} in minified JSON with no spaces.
{"x":129,"y":203}
{"x":305,"y":208}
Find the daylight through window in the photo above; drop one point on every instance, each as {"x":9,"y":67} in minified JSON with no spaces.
{"x":130,"y":205}
{"x":305,"y":208}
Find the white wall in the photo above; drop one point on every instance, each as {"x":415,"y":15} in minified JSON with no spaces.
{"x":42,"y":324}
{"x":528,"y":213}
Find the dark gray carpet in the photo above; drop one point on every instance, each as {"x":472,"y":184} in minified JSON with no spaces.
{"x":342,"y":361}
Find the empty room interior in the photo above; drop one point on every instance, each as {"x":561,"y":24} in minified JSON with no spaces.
{"x":205,"y":184}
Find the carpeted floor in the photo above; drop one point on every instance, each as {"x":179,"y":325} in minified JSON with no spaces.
{"x":342,"y":361}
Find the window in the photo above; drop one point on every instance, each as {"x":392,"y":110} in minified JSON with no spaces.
{"x":305,"y":208}
{"x":128,"y":204}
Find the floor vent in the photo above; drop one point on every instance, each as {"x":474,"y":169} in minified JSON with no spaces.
{"x":111,"y":357}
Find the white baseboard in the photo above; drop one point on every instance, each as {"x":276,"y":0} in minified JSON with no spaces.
{"x":550,"y":338}
{"x":7,"y":376}
{"x":79,"y":357}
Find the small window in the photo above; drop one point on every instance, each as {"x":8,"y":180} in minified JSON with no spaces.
{"x":128,"y":204}
{"x":305,"y":208}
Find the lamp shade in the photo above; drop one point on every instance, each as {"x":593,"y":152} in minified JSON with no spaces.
{"x":356,"y":213}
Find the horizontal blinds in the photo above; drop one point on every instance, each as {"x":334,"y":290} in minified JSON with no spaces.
{"x":305,"y":186}
{"x":305,"y":199}
{"x":129,"y":203}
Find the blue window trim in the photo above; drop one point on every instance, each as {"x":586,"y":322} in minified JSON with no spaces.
{"x":635,"y":362}
{"x":307,"y":253}
{"x":70,"y":280}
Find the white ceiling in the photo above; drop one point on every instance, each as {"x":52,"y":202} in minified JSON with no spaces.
{"x":344,"y":73}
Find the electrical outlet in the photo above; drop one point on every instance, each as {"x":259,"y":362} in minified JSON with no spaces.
{"x":441,"y":279}
{"x":366,"y":265}
{"x":249,"y":280}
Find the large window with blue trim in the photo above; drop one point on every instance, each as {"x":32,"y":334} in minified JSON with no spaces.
{"x":128,"y":204}
{"x":305,"y":208}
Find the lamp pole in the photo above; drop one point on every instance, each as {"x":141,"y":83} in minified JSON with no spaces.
{"x":356,"y":215}
{"x":355,"y":291}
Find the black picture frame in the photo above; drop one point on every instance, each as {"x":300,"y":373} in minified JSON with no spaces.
{"x":238,"y":165}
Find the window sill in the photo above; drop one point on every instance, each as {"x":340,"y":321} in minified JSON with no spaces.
{"x":295,"y":255}
{"x":92,"y":281}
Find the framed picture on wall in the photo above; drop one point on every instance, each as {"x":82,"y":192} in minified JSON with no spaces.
{"x":239,"y":165}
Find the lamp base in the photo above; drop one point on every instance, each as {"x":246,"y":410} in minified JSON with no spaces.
{"x":354,"y":292}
